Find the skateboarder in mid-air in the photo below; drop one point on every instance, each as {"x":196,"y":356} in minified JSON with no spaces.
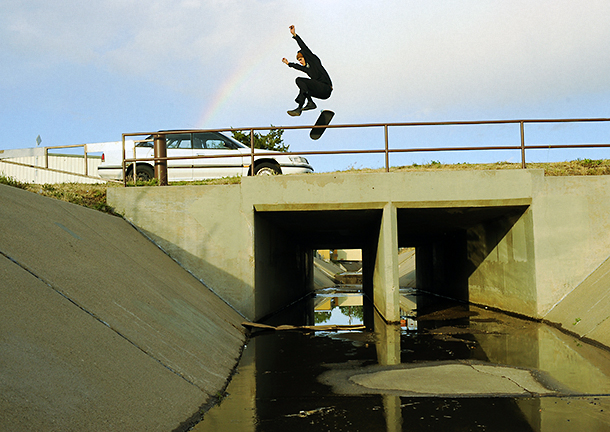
{"x":318,"y":84}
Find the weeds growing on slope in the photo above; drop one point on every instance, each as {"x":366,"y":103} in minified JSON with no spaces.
{"x":87,"y":195}
{"x":569,"y":168}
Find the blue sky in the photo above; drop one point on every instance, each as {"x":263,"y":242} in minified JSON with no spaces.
{"x":77,"y":72}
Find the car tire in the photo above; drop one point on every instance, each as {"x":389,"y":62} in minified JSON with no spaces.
{"x":144,"y":173}
{"x":267,"y":168}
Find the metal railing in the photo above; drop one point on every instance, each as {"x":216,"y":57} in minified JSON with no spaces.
{"x":386,"y":150}
{"x":46,"y":167}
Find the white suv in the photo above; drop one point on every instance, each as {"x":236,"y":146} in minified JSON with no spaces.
{"x":236,"y":159}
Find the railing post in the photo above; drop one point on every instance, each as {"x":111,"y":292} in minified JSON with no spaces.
{"x":134,"y":164}
{"x":387,"y":152}
{"x":160,"y":151}
{"x":123,"y":164}
{"x":522,"y":144}
{"x":46,"y":157}
{"x":86,"y":161}
{"x":252,"y":151}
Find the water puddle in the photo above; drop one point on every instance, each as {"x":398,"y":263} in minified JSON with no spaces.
{"x":453,"y":367}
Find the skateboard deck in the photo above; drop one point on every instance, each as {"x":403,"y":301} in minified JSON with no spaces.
{"x":323,"y":120}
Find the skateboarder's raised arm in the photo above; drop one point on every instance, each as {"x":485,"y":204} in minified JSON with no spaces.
{"x":304,"y":48}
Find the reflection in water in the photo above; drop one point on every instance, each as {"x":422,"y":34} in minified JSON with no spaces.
{"x":277,"y":387}
{"x":332,"y":306}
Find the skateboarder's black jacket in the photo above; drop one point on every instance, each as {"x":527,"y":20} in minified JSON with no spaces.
{"x":313,"y":66}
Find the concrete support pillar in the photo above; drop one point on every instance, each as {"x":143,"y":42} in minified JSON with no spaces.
{"x":385,"y":276}
{"x":388,"y":342}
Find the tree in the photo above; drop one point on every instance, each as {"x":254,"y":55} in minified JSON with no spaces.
{"x":353,"y":312}
{"x":271,"y":141}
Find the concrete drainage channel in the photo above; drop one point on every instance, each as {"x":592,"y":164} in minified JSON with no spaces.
{"x":463,"y":368}
{"x":101,"y":330}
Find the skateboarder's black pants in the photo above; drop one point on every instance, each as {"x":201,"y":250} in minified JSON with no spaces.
{"x":309,"y":88}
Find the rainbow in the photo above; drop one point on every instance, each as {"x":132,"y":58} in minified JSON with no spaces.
{"x":241,"y":75}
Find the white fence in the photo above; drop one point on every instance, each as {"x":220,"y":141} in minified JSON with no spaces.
{"x":38,"y":165}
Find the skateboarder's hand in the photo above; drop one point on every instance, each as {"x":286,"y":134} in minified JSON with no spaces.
{"x":292,"y":30}
{"x":285,"y":60}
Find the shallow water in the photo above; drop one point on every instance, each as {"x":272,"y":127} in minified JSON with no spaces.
{"x":278,"y":385}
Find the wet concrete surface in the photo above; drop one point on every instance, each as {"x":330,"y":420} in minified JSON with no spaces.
{"x":304,"y":380}
{"x":441,"y":379}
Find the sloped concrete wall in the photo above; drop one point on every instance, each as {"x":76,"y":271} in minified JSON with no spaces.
{"x":209,"y":230}
{"x":101,"y":330}
{"x":586,"y":309}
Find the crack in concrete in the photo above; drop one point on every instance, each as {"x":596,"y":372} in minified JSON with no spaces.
{"x":504,"y":377}
{"x":97,"y":318}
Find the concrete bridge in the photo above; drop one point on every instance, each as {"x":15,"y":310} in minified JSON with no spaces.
{"x":103,"y":331}
{"x":514,"y":239}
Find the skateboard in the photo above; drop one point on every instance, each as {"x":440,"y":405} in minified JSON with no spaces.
{"x":323,"y":120}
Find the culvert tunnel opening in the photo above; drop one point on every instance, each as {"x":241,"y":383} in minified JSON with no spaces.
{"x":338,"y":294}
{"x":465,"y":253}
{"x":286,"y":246}
{"x":448,"y":245}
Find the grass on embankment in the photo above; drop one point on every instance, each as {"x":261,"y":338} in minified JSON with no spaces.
{"x":94,"y":195}
{"x":570,"y":168}
{"x":87,"y":195}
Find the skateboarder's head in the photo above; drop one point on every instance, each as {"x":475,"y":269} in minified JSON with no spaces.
{"x":300,"y":58}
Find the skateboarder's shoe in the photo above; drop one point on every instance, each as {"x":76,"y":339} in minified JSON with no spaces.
{"x":295,"y":112}
{"x":310,"y":105}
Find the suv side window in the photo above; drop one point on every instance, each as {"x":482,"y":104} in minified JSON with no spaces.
{"x":197,"y":141}
{"x":179,"y":141}
{"x":148,"y":143}
{"x":215,"y":144}
{"x":212,"y":140}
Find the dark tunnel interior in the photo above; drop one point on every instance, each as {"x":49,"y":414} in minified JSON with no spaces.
{"x":449,"y":243}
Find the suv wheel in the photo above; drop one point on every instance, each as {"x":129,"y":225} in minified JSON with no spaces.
{"x":144,"y":173}
{"x":267,"y":168}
